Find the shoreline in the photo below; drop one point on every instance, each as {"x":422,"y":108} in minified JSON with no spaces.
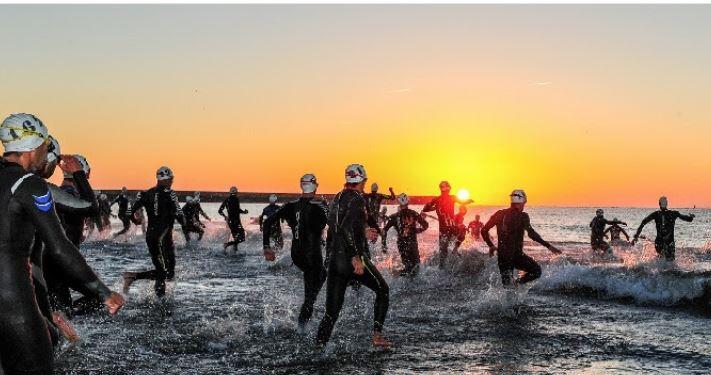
{"x":255,"y":197}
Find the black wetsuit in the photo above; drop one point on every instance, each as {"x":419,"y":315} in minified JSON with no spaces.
{"x":510,"y":224}
{"x":665,"y":221}
{"x":475,"y":229}
{"x":122,"y":201}
{"x":105,"y":213}
{"x":40,"y":285}
{"x":233,"y":220}
{"x":275,"y":230}
{"x":26,"y":209}
{"x":201,"y":212}
{"x":345,"y":240}
{"x":162,"y":208}
{"x":67,"y":204}
{"x":191,"y":212}
{"x":461,"y":232}
{"x":306,"y":218}
{"x":444,"y":207}
{"x":597,"y":233}
{"x":372,"y":204}
{"x":406,"y":223}
{"x":73,"y":221}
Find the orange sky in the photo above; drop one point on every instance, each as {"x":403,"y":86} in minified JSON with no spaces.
{"x":579,"y":105}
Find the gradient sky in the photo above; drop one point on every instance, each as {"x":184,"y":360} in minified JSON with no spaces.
{"x":577,"y":104}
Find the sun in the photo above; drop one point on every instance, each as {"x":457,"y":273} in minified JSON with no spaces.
{"x":463,"y":194}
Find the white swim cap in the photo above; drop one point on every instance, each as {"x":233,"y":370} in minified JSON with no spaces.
{"x":403,"y":199}
{"x":22,"y":132}
{"x":518,"y":196}
{"x":273,"y":198}
{"x":308,"y":183}
{"x":164,"y":173}
{"x":84,"y":167}
{"x":355,"y":173}
{"x":53,"y":150}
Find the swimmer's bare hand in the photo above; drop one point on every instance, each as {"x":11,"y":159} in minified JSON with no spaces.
{"x":269,"y":254}
{"x":64,"y":326}
{"x":69,"y":164}
{"x":357,"y":266}
{"x":115,"y":302}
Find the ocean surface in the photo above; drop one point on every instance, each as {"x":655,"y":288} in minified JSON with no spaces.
{"x":236,"y":313}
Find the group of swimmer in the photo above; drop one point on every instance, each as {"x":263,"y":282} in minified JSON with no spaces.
{"x":664,"y":219}
{"x":39,"y":256}
{"x":42,"y":227}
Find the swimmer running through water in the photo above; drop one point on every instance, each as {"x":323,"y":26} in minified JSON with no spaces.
{"x":232,"y":218}
{"x":443,"y":205}
{"x":373,"y":201}
{"x":275,"y":232}
{"x":162,"y":208}
{"x":307,"y":218}
{"x":616,"y":233}
{"x":408,"y":224}
{"x":346,"y":245}
{"x":665,"y":221}
{"x":76,"y":184}
{"x":28,"y":207}
{"x":123,"y":204}
{"x":510,"y":225}
{"x":597,"y":233}
{"x":192,"y":223}
{"x":474,"y":228}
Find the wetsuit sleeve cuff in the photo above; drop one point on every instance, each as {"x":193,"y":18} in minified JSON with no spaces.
{"x":98,"y":288}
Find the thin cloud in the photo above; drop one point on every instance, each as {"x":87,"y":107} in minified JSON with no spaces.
{"x":542,"y":83}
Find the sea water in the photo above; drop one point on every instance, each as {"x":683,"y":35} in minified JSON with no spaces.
{"x":235,"y":313}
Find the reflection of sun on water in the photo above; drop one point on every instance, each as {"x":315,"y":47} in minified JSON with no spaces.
{"x":463,"y":194}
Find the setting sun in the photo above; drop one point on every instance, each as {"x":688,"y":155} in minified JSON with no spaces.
{"x":463,"y":194}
